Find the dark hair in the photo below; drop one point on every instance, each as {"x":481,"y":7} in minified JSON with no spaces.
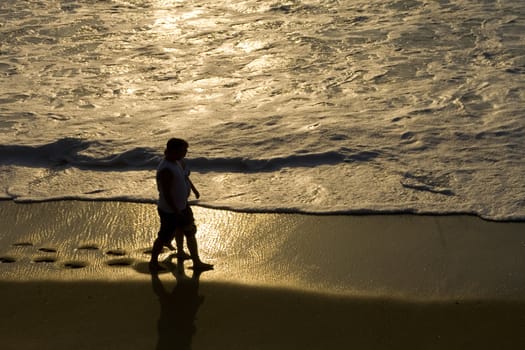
{"x":175,"y":143}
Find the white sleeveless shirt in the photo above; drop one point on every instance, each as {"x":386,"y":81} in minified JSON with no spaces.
{"x":180,"y":187}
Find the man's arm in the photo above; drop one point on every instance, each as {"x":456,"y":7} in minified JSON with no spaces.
{"x":194,"y":189}
{"x":192,"y":186}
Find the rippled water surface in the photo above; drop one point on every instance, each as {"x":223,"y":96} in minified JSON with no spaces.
{"x":312,"y":106}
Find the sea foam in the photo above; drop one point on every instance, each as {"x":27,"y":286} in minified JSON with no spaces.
{"x":314,"y":106}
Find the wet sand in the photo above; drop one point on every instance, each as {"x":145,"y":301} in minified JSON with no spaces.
{"x":75,"y":275}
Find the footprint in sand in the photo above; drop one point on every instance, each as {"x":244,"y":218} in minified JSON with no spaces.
{"x":116,"y":252}
{"x":7,"y":260}
{"x":149,"y":250}
{"x":22,"y":244}
{"x":88,"y":247}
{"x":44,"y":259}
{"x":120,"y":262}
{"x":48,"y":250}
{"x":75,"y":265}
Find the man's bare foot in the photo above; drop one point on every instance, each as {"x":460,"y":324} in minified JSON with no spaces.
{"x":200,"y":266}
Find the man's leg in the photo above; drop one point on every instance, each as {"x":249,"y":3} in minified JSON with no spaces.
{"x":179,"y":240}
{"x":165,"y":235}
{"x":189,"y":230}
{"x":191,"y":241}
{"x":157,"y":249}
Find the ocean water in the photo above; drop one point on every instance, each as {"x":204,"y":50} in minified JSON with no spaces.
{"x":319,"y":106}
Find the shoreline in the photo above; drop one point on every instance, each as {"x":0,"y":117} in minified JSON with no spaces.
{"x":196,"y":203}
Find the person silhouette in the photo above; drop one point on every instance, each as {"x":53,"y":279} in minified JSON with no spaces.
{"x":176,"y":216}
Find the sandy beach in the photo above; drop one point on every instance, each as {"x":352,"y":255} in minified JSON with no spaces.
{"x":412,"y":110}
{"x":75,"y":275}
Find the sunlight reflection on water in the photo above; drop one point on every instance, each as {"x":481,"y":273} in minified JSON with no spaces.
{"x":375,"y":102}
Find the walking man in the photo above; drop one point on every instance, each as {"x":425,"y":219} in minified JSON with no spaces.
{"x":176,"y":216}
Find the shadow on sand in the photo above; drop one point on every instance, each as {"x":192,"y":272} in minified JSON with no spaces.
{"x":119,"y":314}
{"x":179,"y":306}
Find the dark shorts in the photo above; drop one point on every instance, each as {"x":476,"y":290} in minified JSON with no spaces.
{"x":170,"y":222}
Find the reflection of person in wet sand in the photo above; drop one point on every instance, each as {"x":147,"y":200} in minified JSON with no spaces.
{"x":176,"y":216}
{"x":179,"y":307}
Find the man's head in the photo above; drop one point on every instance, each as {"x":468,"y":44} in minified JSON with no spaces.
{"x":176,"y":149}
